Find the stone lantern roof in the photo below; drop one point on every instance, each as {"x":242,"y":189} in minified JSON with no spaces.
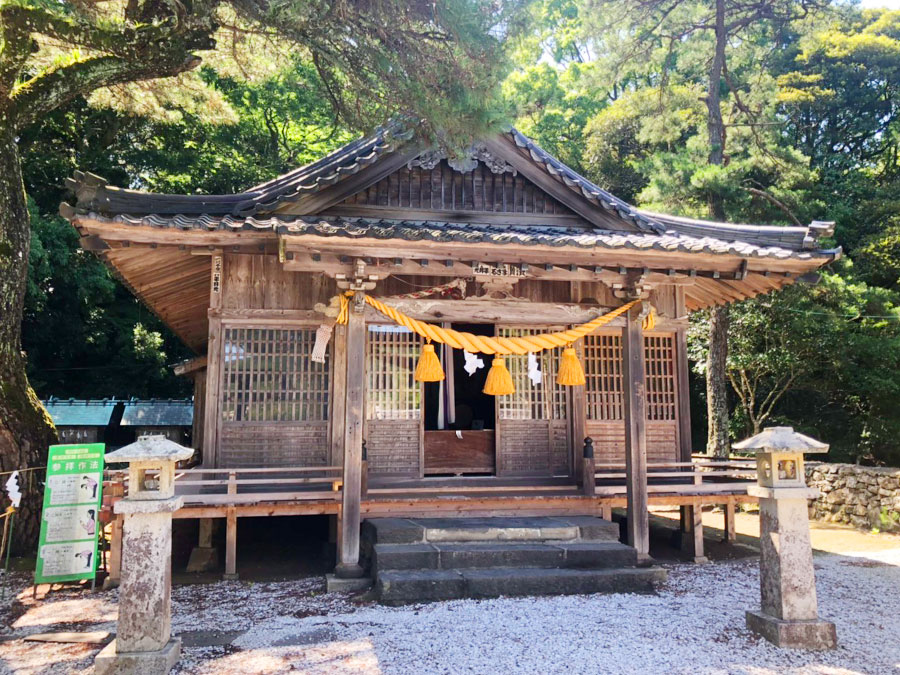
{"x":151,"y":448}
{"x":781,"y":439}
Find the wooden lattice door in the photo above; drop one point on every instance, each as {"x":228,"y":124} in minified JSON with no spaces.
{"x":275,"y":399}
{"x":393,"y":401}
{"x":605,"y":397}
{"x":533,"y":423}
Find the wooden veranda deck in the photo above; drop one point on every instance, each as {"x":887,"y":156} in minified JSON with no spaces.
{"x":299,"y":491}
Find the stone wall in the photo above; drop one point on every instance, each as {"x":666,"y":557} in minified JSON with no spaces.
{"x":864,"y":496}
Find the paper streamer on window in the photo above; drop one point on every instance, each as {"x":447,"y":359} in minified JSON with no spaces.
{"x":534,"y":369}
{"x":323,"y":335}
{"x":473,"y":362}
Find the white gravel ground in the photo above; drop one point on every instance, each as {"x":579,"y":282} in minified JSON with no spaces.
{"x":694,"y":625}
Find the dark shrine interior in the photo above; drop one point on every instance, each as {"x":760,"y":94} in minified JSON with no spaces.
{"x":474,"y":409}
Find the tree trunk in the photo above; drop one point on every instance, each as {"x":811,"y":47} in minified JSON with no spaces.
{"x":717,"y":383}
{"x":716,"y":375}
{"x":25,"y":428}
{"x":715,"y":125}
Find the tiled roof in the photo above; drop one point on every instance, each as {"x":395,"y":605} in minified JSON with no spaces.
{"x":158,"y":413}
{"x":438,"y":231}
{"x":764,"y":235}
{"x":94,"y":194}
{"x":80,"y":413}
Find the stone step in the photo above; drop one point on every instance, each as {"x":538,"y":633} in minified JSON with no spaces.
{"x":578,"y":554}
{"x":463,"y":530}
{"x":413,"y":586}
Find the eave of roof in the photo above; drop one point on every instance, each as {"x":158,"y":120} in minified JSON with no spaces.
{"x":80,"y":412}
{"x":95,"y":194}
{"x":469,"y":233}
{"x":158,"y":413}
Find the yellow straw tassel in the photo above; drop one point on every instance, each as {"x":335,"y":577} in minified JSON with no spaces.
{"x":429,"y":367}
{"x":499,"y":381}
{"x":649,"y":320}
{"x":570,"y":371}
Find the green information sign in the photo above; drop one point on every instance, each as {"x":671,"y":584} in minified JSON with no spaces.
{"x":67,"y":550}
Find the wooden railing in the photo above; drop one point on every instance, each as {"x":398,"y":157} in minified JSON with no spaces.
{"x":696,"y":477}
{"x":244,"y":486}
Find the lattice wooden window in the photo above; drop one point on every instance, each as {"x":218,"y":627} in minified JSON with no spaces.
{"x":659,"y":367}
{"x":268,"y":376}
{"x":603,"y":372}
{"x":392,"y":393}
{"x":544,"y":401}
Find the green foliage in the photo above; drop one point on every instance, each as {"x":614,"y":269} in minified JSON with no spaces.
{"x":810,"y":103}
{"x":86,"y":335}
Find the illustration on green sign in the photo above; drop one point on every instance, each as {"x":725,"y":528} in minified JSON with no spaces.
{"x":67,"y":550}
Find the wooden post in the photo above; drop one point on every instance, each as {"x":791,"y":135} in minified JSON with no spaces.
{"x":730,"y":533}
{"x":114,"y":572}
{"x":348,"y":563}
{"x":588,"y":481}
{"x":696,"y":511}
{"x":205,"y":540}
{"x":638,"y":525}
{"x":339,"y":388}
{"x":578,"y":413}
{"x":231,"y":531}
{"x":364,"y":474}
{"x":213,"y":363}
{"x":230,"y":543}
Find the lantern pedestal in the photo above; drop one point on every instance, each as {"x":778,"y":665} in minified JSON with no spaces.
{"x":144,"y":643}
{"x":789,"y":613}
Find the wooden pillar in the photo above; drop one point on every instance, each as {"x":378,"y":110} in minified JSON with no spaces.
{"x":339,"y":389}
{"x":696,"y":518}
{"x":348,"y":562}
{"x":730,"y":532}
{"x":231,"y":531}
{"x":578,"y":412}
{"x":199,"y":407}
{"x":213,"y":364}
{"x":230,"y":543}
{"x":205,"y":539}
{"x":638,"y":525}
{"x":588,"y":482}
{"x":114,"y":570}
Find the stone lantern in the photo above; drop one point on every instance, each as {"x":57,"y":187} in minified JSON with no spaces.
{"x":789,"y":614}
{"x":144,"y":642}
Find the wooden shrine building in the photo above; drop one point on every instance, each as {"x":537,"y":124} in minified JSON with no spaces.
{"x":505,"y":242}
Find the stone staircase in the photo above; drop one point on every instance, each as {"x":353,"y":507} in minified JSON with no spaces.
{"x":427,"y":559}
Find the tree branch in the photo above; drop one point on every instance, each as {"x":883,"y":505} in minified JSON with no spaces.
{"x":56,"y":86}
{"x":781,"y":205}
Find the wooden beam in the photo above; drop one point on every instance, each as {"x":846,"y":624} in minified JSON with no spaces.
{"x":190,"y":366}
{"x":638,"y":519}
{"x":348,"y":564}
{"x":505,"y":311}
